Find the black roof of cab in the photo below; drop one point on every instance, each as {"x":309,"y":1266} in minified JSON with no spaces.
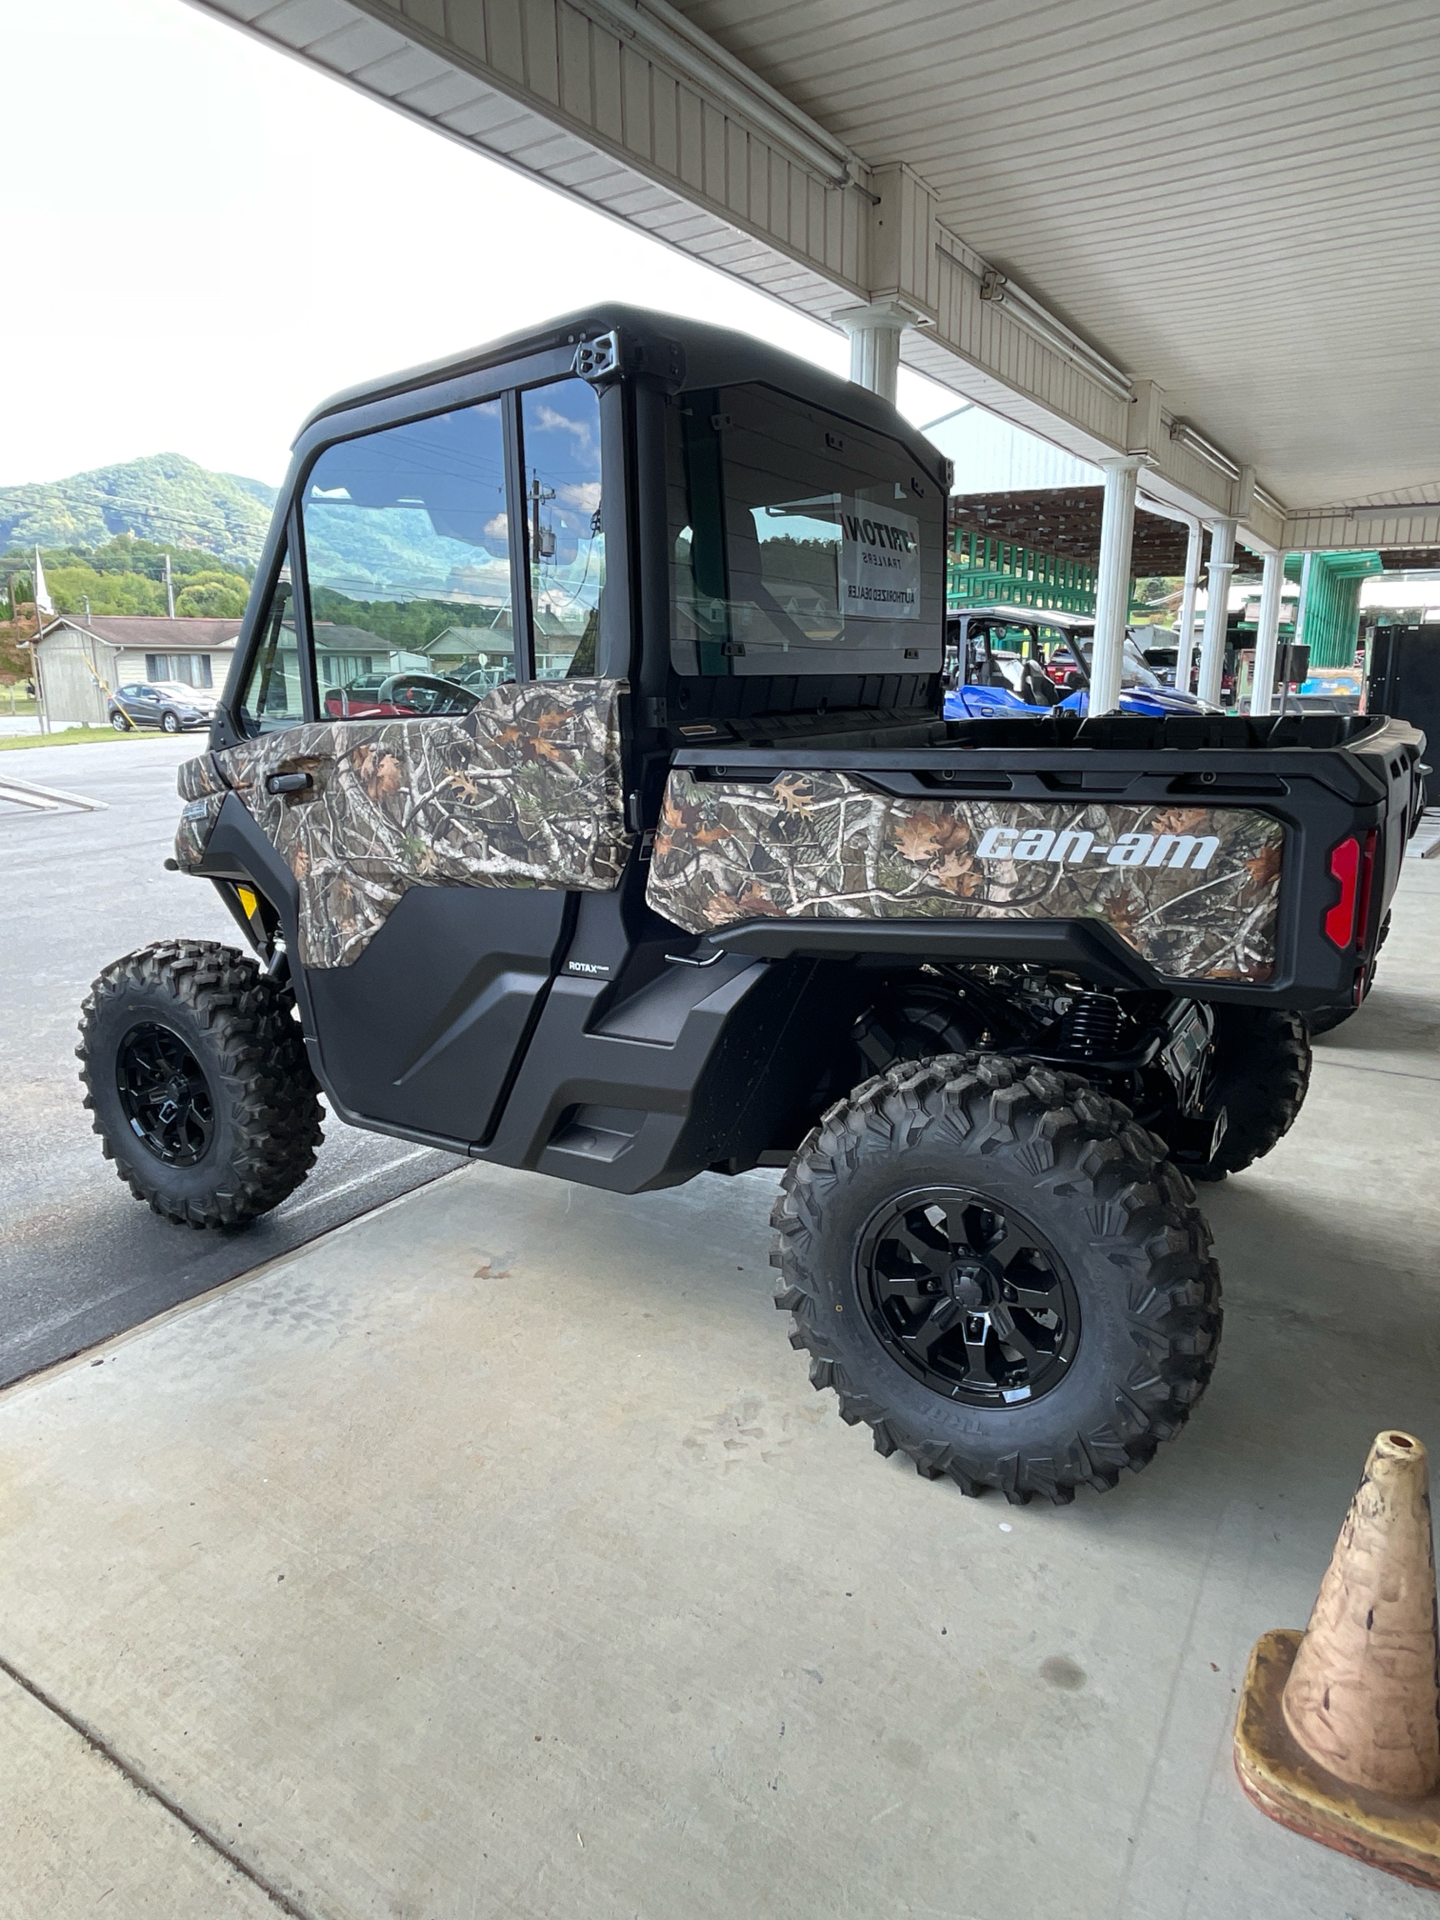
{"x":678,"y":354}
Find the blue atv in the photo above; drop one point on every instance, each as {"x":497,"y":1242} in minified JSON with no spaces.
{"x":997,"y":679}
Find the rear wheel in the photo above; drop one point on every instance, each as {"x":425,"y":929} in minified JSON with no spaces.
{"x":914,"y":1020}
{"x":1326,"y":1019}
{"x":1339,"y":1011}
{"x":1000,"y":1273}
{"x":119,"y":722}
{"x":195,"y":1073}
{"x":1260,"y":1075}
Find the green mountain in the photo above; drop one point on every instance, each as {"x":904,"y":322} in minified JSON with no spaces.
{"x":163,"y":498}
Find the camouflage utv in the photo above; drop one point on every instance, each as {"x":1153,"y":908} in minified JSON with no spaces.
{"x":582,"y":794}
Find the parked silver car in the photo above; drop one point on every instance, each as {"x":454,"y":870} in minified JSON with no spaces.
{"x":159,"y":703}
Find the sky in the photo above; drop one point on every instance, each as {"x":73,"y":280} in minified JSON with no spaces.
{"x":205,"y":238}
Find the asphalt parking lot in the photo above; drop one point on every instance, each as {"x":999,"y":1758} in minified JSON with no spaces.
{"x":81,"y":1259}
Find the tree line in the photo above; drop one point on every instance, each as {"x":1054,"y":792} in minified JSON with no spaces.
{"x":127,"y":575}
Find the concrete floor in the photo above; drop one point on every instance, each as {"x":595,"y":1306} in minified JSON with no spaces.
{"x":492,"y":1556}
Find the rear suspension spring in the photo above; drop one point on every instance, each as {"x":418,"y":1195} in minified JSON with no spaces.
{"x":1090,"y":1029}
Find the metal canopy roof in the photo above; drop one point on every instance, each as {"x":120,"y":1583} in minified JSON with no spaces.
{"x":1204,"y":236}
{"x":1066,"y":521}
{"x":1240,"y":201}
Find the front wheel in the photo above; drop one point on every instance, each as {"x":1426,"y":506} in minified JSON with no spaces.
{"x":170,"y":722}
{"x":195,"y":1073}
{"x":1000,"y":1273}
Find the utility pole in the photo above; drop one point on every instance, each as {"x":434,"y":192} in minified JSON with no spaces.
{"x":538,"y":494}
{"x":42,"y":705}
{"x":32,"y":647}
{"x":169,"y":591}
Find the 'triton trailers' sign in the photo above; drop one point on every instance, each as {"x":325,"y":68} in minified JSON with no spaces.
{"x":879,"y":562}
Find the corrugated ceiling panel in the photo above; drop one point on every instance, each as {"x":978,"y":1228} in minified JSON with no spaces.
{"x":1241,"y":200}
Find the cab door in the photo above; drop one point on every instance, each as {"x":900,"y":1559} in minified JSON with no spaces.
{"x":438,"y":844}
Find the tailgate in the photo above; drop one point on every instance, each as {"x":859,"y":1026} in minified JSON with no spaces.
{"x":1243,"y":872}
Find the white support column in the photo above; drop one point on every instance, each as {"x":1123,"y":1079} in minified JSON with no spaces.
{"x":1267,"y":632}
{"x":875,"y":331}
{"x":1112,"y":584}
{"x":1220,"y":566}
{"x":1187,"y":606}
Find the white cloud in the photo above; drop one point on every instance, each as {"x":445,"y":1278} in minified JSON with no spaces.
{"x":583,"y":495}
{"x":550,"y":421}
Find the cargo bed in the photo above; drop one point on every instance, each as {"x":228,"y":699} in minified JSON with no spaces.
{"x":1244,"y":859}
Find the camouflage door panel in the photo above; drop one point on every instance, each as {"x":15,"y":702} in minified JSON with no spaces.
{"x":523,"y":791}
{"x":1194,"y":890}
{"x":203,"y":787}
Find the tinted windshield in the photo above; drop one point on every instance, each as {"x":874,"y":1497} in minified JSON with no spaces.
{"x":800,"y":543}
{"x":1134,"y":673}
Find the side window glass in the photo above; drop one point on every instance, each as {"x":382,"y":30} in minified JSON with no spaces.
{"x":564,"y":534}
{"x":407,"y":557}
{"x":272,"y":697}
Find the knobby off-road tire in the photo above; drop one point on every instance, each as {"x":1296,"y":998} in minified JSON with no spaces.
{"x":1062,"y":1165}
{"x":1261,"y":1073}
{"x":196,"y":1075}
{"x":916,"y":1021}
{"x":1327,"y":1019}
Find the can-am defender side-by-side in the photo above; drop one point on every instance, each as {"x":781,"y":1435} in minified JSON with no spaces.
{"x":995,"y":668}
{"x":582,"y":792}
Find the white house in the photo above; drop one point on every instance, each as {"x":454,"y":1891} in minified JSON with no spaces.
{"x":82,"y":661}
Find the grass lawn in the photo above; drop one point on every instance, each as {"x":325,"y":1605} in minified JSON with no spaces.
{"x":72,"y":737}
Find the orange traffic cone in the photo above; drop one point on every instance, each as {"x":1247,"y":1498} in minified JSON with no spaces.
{"x":1339,"y":1727}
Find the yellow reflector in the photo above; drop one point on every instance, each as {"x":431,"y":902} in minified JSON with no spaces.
{"x":248,"y":902}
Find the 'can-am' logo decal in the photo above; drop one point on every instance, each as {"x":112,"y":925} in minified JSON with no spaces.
{"x":1073,"y":846}
{"x":1194,"y":890}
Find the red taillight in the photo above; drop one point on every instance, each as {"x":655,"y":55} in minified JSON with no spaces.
{"x":1344,"y":867}
{"x":1353,"y":865}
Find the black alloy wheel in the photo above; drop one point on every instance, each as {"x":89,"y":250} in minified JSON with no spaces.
{"x":164,"y":1095}
{"x":1002,"y":1275}
{"x":969,"y":1298}
{"x":196,"y":1077}
{"x":171,"y":722}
